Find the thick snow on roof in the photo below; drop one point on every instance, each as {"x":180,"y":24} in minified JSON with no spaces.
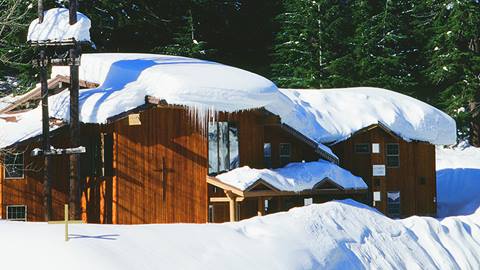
{"x":56,"y":27}
{"x":333,"y":115}
{"x":293,"y":177}
{"x":126,"y":79}
{"x":334,"y":235}
{"x":27,"y":125}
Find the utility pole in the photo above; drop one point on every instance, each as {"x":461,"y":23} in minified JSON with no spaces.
{"x":47,"y":184}
{"x":74,"y":196}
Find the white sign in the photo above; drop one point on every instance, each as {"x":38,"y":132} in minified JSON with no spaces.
{"x":375,"y":148}
{"x":378,"y":170}
{"x":307,"y":201}
{"x":376,"y":196}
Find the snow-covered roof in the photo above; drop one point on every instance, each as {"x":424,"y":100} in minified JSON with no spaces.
{"x":56,"y":27}
{"x":125,"y":80}
{"x":293,"y":177}
{"x":333,"y":115}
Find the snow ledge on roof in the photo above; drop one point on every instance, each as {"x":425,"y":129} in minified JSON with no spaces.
{"x":125,"y":79}
{"x":293,"y":177}
{"x":56,"y":27}
{"x":333,"y":115}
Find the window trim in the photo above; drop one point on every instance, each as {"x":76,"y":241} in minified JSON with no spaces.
{"x":369,"y":151}
{"x":16,"y":205}
{"x":5,"y":167}
{"x":392,"y":155}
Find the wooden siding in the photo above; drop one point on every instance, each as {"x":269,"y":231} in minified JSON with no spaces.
{"x":300,"y":151}
{"x":417,"y":160}
{"x":160,"y":169}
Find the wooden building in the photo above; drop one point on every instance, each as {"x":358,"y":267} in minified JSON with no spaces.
{"x":385,"y":137}
{"x":401,"y":175}
{"x":152,"y":163}
{"x":153,"y":157}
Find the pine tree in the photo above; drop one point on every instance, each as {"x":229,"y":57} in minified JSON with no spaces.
{"x":385,"y":48}
{"x":185,"y":41}
{"x":312,"y":46}
{"x":454,"y":67}
{"x":15,"y":17}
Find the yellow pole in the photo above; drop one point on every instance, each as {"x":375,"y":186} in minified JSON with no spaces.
{"x":66,"y":222}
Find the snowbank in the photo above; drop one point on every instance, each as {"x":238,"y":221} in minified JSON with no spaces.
{"x":332,"y":115}
{"x":293,"y":177}
{"x":56,"y":27}
{"x":126,"y":79}
{"x":458,"y":180}
{"x":335,"y":235}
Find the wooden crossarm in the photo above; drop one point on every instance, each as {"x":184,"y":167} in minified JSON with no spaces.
{"x":69,"y":222}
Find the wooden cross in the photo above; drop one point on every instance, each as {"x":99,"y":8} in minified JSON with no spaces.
{"x":66,"y":222}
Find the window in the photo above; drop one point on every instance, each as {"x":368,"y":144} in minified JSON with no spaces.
{"x":223,"y":153}
{"x":393,"y":204}
{"x":393,"y":155}
{"x":423,"y":180}
{"x":267,"y":155}
{"x":376,"y":182}
{"x":362,"y":148}
{"x":285,"y":153}
{"x":14,"y":166}
{"x":211,"y":212}
{"x":17,"y":212}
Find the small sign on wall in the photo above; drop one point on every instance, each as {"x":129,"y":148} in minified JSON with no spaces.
{"x":378,"y":170}
{"x":307,"y":201}
{"x":375,"y":148}
{"x":377,"y":196}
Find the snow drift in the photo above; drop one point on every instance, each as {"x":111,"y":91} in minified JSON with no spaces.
{"x":334,"y":235}
{"x":333,"y":115}
{"x":458,"y":180}
{"x":293,"y":177}
{"x":56,"y":27}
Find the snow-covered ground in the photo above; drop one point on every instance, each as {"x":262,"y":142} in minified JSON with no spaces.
{"x":458,"y":180}
{"x":335,"y":235}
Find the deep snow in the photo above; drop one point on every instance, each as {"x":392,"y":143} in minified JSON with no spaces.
{"x":293,"y":177}
{"x":125,"y":79}
{"x":56,"y":27}
{"x":332,"y":115}
{"x":458,"y":180}
{"x":334,"y":235}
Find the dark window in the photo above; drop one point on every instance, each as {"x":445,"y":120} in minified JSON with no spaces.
{"x":423,"y":180}
{"x":362,"y":148}
{"x":393,"y":155}
{"x":393,"y":204}
{"x":285,"y":153}
{"x":14,"y":166}
{"x":17,"y":212}
{"x":267,"y":155}
{"x":377,"y":182}
{"x":223,"y":151}
{"x":211,"y":212}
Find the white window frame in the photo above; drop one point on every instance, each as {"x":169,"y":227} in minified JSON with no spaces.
{"x":17,"y":205}
{"x":23,"y":168}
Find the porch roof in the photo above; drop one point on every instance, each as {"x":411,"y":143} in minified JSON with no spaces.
{"x":295,"y":178}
